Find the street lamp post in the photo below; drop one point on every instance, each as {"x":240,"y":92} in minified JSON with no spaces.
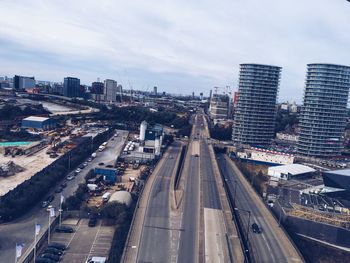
{"x":249,"y":215}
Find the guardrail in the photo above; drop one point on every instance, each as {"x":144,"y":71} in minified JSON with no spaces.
{"x":180,"y":166}
{"x":238,"y":221}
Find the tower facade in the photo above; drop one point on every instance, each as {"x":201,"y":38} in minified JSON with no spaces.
{"x":323,"y":114}
{"x":254,"y":121}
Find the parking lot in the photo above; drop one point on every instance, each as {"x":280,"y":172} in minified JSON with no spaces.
{"x":85,"y":241}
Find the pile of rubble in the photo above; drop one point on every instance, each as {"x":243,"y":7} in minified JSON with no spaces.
{"x":9,"y":169}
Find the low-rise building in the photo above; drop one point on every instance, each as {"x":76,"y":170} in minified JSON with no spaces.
{"x":288,"y":171}
{"x":40,"y":123}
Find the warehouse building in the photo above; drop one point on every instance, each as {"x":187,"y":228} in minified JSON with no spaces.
{"x":39,"y":123}
{"x":288,"y":171}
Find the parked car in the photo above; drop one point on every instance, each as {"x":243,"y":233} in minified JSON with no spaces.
{"x":101,"y":163}
{"x":64,"y":229}
{"x":196,"y":155}
{"x":48,"y":208}
{"x":44,"y":260}
{"x":78,"y":170}
{"x":45,"y":204}
{"x":81,"y":166}
{"x":96,"y":260}
{"x":59,"y":189}
{"x":50,"y":256}
{"x":85,"y":164}
{"x":57,"y":245}
{"x":89,"y":160}
{"x":50,"y":198}
{"x":70,"y":177}
{"x":92,"y":221}
{"x":53,"y":251}
{"x":64,"y":185}
{"x":256,"y":228}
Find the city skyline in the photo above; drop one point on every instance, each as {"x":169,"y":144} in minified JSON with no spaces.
{"x":172,"y":45}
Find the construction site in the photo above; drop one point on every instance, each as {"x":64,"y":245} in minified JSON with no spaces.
{"x":21,"y":160}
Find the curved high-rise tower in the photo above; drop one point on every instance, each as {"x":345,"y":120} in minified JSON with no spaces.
{"x":254,"y":120}
{"x":323,"y":114}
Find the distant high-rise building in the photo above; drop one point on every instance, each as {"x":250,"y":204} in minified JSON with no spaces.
{"x":323,"y":114}
{"x":110,"y":90}
{"x":155,"y":91}
{"x":254,"y":121}
{"x":21,"y":82}
{"x":120,"y":92}
{"x":201,"y":96}
{"x":219,"y":107}
{"x":71,"y":87}
{"x":56,"y":88}
{"x":97,"y":88}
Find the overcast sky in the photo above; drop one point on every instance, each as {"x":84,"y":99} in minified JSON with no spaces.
{"x":180,"y":46}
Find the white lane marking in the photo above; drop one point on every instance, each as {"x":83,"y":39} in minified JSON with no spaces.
{"x":92,"y":246}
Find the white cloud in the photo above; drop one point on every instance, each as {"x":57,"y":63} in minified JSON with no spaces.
{"x":197,"y":39}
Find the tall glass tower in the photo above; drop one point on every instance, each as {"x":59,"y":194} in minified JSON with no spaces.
{"x":322,"y":119}
{"x":254,"y":120}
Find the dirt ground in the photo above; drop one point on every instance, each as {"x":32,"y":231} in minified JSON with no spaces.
{"x":31,"y":164}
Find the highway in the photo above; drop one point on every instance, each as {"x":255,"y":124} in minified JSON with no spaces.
{"x":22,"y":230}
{"x":272,"y":245}
{"x":189,"y":238}
{"x":155,"y":242}
{"x":215,"y":244}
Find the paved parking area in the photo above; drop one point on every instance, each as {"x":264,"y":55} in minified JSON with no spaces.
{"x":85,"y":241}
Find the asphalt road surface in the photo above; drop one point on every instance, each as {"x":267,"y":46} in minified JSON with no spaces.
{"x":155,"y":236}
{"x":266,"y":245}
{"x":22,"y":230}
{"x":211,"y":198}
{"x":189,"y":239}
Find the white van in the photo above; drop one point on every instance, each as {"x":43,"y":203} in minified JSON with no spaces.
{"x":96,"y":260}
{"x":106,"y":197}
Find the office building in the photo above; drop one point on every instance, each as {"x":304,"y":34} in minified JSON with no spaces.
{"x":22,"y":83}
{"x":254,"y":121}
{"x":97,"y":88}
{"x":97,"y":91}
{"x":322,"y":118}
{"x":71,"y":87}
{"x":155,"y":90}
{"x":110,"y":90}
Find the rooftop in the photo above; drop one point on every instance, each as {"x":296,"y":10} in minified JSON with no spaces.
{"x":345,"y":172}
{"x":293,"y":169}
{"x":35,"y":118}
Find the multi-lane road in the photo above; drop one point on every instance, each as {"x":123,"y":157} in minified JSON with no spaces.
{"x":194,"y":231}
{"x":272,"y":244}
{"x":22,"y":229}
{"x":155,"y":243}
